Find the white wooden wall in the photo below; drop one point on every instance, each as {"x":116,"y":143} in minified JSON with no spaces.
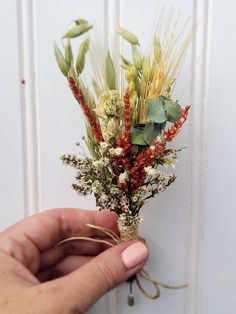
{"x":190,"y":229}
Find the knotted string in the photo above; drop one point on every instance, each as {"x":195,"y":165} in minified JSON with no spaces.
{"x":126,"y":235}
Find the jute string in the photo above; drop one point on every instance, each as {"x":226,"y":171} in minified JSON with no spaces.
{"x":126,"y":233}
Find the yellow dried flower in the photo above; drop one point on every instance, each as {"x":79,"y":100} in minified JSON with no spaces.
{"x":130,"y":73}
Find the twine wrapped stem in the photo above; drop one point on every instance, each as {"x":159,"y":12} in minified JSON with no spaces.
{"x":128,"y":233}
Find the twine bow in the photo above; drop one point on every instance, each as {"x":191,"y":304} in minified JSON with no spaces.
{"x":141,"y":274}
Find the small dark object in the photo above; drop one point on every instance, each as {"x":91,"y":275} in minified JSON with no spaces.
{"x":130,"y":299}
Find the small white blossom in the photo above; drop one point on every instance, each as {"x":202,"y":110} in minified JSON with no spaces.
{"x":98,"y":164}
{"x":106,"y":161}
{"x":160,"y":138}
{"x":96,"y":187}
{"x":118,"y":151}
{"x":152,"y":148}
{"x":151,"y":172}
{"x":104,"y":145}
{"x":124,"y":177}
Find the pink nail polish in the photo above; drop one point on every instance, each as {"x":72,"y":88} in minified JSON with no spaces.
{"x":134,"y":255}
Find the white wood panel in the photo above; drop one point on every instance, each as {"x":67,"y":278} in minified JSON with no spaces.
{"x":11,"y":167}
{"x":29,"y":105}
{"x":61,"y":120}
{"x":219,"y":257}
{"x":190,"y":228}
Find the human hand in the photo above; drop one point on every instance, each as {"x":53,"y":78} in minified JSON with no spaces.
{"x":36,"y":277}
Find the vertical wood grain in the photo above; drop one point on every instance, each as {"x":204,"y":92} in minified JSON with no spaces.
{"x":29,"y":105}
{"x":202,"y":14}
{"x":11,"y":179}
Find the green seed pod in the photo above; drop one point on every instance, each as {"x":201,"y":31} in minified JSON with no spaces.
{"x":97,"y":89}
{"x":125,"y":63}
{"x":137,"y":57}
{"x":85,"y":45}
{"x":157,"y":50}
{"x":78,"y":30}
{"x":137,"y":85}
{"x":81,"y":21}
{"x":110,"y":72}
{"x":127,"y":35}
{"x":80,"y":62}
{"x":61,"y":60}
{"x":68,"y":53}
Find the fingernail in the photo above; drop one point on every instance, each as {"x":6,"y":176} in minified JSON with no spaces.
{"x":134,"y":255}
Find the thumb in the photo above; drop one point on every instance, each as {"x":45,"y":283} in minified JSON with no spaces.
{"x":83,"y":287}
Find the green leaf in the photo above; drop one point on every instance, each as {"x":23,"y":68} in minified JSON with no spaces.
{"x":68,"y":52}
{"x":173,"y":111}
{"x":80,"y":62}
{"x":137,"y":85}
{"x":136,"y":135}
{"x":78,"y":30}
{"x":151,"y":131}
{"x":155,"y":111}
{"x":110,"y":72}
{"x":125,"y":63}
{"x":85,"y":45}
{"x":138,"y":61}
{"x":97,"y":88}
{"x":127,"y":35}
{"x":61,"y":60}
{"x":81,"y":21}
{"x":163,"y":98}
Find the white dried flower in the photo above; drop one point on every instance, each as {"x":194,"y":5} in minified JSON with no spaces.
{"x":152,"y":148}
{"x":96,"y":187}
{"x":124,"y":177}
{"x":104,"y":146}
{"x":98,"y":164}
{"x":106,"y":161}
{"x":118,"y":151}
{"x":151,"y":172}
{"x":160,"y":138}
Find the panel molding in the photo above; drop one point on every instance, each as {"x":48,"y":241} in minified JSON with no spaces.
{"x":202,"y":14}
{"x":29,"y":105}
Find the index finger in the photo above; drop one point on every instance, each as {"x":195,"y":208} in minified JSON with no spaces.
{"x":46,"y":229}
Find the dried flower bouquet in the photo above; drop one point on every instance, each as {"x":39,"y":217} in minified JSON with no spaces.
{"x":130,"y":118}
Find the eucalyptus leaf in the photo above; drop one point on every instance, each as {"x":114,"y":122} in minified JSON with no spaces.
{"x":136,"y":136}
{"x":151,"y":131}
{"x":163,"y":98}
{"x":155,"y":111}
{"x":173,"y":111}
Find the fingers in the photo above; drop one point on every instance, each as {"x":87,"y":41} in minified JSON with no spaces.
{"x":81,"y":288}
{"x":64,"y":267}
{"x":28,"y":238}
{"x":80,"y":247}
